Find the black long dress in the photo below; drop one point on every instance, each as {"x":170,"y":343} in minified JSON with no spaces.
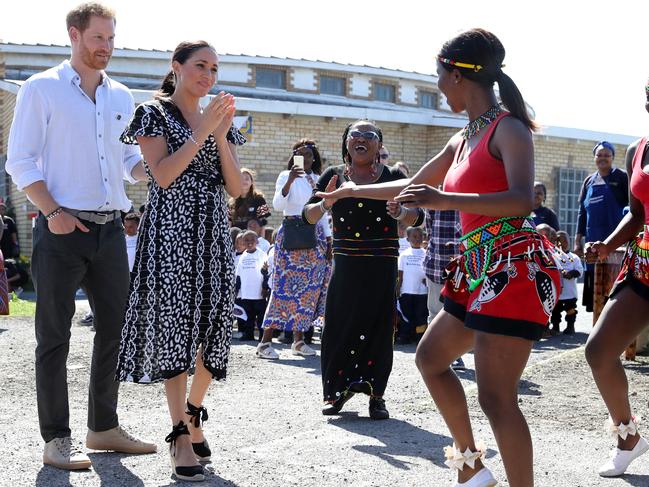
{"x":358,"y":337}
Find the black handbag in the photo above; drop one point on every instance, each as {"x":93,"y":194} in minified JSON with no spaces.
{"x":298,"y":234}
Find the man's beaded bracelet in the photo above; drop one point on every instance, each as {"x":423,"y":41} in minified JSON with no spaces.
{"x":54,"y":214}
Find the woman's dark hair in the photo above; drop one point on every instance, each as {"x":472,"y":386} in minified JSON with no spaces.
{"x":182,"y":53}
{"x":541,"y":185}
{"x":316,"y":167}
{"x":482,"y":48}
{"x":346,"y":157}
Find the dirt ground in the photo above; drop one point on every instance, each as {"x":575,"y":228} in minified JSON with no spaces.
{"x":266,"y":429}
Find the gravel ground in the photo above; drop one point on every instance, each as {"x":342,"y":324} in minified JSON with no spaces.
{"x":266,"y":428}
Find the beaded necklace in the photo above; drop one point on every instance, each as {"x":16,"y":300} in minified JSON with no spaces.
{"x":472,"y":128}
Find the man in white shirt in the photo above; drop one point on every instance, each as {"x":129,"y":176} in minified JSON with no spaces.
{"x":65,"y":153}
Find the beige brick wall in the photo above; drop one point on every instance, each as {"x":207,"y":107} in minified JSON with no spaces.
{"x":274,"y":135}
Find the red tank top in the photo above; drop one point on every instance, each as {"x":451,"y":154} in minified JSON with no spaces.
{"x":480,"y":172}
{"x":640,"y":179}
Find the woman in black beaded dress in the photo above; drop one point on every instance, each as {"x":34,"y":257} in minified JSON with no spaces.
{"x":360,"y":311}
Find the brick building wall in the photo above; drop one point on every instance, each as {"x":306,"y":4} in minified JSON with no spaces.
{"x":274,"y":134}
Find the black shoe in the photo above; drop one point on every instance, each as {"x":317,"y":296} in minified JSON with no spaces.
{"x":569,"y":331}
{"x":194,"y":473}
{"x":378,"y":409}
{"x":458,"y":364}
{"x":246,"y":337}
{"x":197,"y":416}
{"x":335,"y":407}
{"x":361,"y":387}
{"x":202,"y":451}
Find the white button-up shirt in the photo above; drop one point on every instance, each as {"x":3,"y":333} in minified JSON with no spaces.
{"x":61,"y":137}
{"x":300,"y":192}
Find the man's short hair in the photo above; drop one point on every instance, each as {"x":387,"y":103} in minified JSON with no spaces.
{"x":79,"y":16}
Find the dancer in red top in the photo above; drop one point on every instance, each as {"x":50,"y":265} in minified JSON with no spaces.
{"x":625,"y":313}
{"x":505,"y":302}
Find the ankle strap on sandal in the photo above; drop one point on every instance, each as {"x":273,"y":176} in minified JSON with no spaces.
{"x":623,"y":430}
{"x":198,"y":415}
{"x":456,"y":459}
{"x":177,"y":431}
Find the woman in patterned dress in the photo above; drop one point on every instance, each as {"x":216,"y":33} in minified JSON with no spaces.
{"x":300,"y":278}
{"x":179,"y":312}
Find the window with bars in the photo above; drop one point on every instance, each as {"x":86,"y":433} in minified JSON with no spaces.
{"x":332,"y":85}
{"x":384,"y":92}
{"x":427,"y":99}
{"x":271,"y":78}
{"x":569,"y":181}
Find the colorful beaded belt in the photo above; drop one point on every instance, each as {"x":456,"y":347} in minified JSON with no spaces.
{"x":477,"y":245}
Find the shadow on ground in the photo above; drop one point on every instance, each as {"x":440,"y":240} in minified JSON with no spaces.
{"x":400,"y":439}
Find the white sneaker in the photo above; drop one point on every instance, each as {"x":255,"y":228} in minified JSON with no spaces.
{"x":60,"y":453}
{"x":620,"y":460}
{"x":301,"y":348}
{"x":484,"y":478}
{"x":266,"y":350}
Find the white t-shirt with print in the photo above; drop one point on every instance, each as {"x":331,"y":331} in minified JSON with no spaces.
{"x":411,"y":263}
{"x":569,"y":262}
{"x":403,"y":245}
{"x":249,"y":271}
{"x":131,"y":244}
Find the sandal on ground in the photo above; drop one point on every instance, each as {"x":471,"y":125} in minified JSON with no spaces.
{"x":619,"y":460}
{"x":193,"y":473}
{"x":456,"y":460}
{"x":198,"y":415}
{"x":266,"y":350}
{"x":301,"y":348}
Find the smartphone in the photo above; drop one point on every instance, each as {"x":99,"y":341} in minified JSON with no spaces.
{"x":298,"y":161}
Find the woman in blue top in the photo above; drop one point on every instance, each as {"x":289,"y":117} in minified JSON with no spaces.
{"x":603,"y":196}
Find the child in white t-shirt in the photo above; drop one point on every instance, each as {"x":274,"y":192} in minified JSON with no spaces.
{"x":571,"y":268}
{"x":131,"y":224}
{"x":255,"y":225}
{"x":411,"y":287}
{"x":403,"y":240}
{"x":251,"y":281}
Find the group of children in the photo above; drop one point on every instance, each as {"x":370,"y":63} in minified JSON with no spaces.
{"x":571,"y":268}
{"x":412,"y":291}
{"x":253,"y":259}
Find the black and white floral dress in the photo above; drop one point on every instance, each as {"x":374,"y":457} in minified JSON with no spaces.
{"x":182,"y":283}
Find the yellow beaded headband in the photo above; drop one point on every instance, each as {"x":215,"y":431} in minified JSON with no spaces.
{"x":474,"y":67}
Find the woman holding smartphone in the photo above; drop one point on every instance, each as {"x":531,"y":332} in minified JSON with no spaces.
{"x":301,"y":265}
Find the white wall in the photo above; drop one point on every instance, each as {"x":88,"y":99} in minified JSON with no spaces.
{"x":360,"y":85}
{"x":303,"y":79}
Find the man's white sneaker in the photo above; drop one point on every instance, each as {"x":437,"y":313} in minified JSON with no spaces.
{"x":301,"y":348}
{"x":60,"y":453}
{"x":265,"y":350}
{"x":620,"y":460}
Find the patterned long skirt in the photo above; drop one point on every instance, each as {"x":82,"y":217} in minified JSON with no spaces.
{"x":300,"y":279}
